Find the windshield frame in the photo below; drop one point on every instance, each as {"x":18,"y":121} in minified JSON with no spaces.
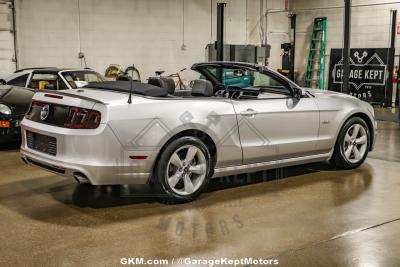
{"x":203,"y":68}
{"x":62,"y":75}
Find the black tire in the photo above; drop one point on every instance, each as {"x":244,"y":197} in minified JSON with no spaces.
{"x":165,"y":193}
{"x":339,"y":159}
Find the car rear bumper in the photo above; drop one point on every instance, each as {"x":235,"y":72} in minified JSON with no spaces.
{"x":95,"y":156}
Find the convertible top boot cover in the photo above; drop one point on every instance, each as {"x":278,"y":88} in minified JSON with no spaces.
{"x":125,"y":86}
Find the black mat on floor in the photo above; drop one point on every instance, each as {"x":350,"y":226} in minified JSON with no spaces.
{"x":387,"y":114}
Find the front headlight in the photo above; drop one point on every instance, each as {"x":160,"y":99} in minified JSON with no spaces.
{"x":5,"y":109}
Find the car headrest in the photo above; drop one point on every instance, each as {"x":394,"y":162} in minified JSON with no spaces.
{"x":123,"y":78}
{"x":170,"y":85}
{"x":156,"y":81}
{"x":163,"y":82}
{"x":202,"y":88}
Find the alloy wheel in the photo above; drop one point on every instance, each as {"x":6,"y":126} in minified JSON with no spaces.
{"x":186,"y":170}
{"x":355,"y":143}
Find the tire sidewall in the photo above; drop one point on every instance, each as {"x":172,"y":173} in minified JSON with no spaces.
{"x":339,"y":145}
{"x":160,"y":181}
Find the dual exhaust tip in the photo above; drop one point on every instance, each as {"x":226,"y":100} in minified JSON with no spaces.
{"x":79,"y":177}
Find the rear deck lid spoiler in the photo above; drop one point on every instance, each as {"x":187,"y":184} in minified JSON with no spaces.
{"x":61,"y":93}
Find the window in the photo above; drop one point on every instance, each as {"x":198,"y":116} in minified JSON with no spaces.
{"x":245,"y":78}
{"x":48,"y":81}
{"x":19,"y":81}
{"x":77,"y":79}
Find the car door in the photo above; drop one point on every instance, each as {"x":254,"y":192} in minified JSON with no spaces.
{"x":277,"y":125}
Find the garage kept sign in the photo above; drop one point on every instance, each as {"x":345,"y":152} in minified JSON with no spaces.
{"x":368,"y":73}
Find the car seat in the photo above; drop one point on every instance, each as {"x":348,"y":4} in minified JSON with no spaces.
{"x":163,"y":82}
{"x":202,"y":88}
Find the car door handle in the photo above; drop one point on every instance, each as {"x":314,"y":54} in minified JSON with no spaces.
{"x":248,"y":113}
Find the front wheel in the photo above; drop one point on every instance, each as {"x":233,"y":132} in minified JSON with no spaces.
{"x":182,"y":171}
{"x":352,"y":145}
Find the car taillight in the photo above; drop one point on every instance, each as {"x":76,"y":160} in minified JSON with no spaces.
{"x":80,"y":118}
{"x":38,"y":103}
{"x":34,"y":103}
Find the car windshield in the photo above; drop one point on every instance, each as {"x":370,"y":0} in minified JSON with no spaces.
{"x":245,"y":78}
{"x":78,"y":79}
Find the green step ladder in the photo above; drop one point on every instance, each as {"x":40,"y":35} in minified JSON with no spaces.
{"x":315,"y":75}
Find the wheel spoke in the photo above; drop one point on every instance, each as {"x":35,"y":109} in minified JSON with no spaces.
{"x":191,"y":152}
{"x":198,"y":169}
{"x":174,"y":179}
{"x":348,"y":151}
{"x":356,"y":130}
{"x":347,"y":138}
{"x":362,"y":140}
{"x":176,"y":160}
{"x":357,"y":154}
{"x":189,"y":188}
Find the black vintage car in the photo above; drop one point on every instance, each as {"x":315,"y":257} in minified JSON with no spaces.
{"x":14,"y":103}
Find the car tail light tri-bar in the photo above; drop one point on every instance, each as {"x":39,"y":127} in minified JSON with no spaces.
{"x":80,"y":118}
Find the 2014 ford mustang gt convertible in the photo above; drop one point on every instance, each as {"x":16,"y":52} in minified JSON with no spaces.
{"x":237,"y":118}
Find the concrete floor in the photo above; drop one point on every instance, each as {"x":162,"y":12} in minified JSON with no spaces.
{"x":303,"y":216}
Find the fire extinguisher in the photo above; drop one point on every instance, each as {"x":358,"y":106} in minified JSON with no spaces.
{"x":395,"y":74}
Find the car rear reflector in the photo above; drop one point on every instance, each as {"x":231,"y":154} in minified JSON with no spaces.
{"x":138,"y":157}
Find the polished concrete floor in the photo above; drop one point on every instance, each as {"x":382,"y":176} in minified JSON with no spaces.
{"x":303,"y":216}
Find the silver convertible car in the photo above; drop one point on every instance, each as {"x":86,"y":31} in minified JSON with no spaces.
{"x":237,"y":118}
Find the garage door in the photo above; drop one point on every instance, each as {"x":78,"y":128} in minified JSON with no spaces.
{"x":7,"y":64}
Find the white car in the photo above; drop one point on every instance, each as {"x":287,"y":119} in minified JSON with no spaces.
{"x":52,"y":78}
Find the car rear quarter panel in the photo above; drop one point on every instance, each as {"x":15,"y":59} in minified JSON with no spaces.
{"x":147,"y":124}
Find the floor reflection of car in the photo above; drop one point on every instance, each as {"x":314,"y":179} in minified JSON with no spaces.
{"x":53,"y":78}
{"x":15,"y":101}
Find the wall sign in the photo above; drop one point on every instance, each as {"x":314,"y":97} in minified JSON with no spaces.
{"x":368,"y":73}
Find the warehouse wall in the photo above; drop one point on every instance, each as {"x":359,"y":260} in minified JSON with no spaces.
{"x":7,"y":64}
{"x":148,"y":33}
{"x":370,"y":26}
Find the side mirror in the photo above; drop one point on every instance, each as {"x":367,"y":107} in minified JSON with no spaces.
{"x":299,"y":92}
{"x":2,"y":81}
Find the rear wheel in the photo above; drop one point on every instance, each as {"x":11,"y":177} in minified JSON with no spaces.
{"x":352,"y":145}
{"x":182,"y":171}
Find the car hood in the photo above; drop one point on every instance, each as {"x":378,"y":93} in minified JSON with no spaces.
{"x":331,"y":94}
{"x":17,"y":98}
{"x":326,"y":93}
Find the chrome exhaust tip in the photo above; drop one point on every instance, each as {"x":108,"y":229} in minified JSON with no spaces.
{"x":80,"y":178}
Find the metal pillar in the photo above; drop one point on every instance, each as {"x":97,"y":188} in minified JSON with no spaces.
{"x":293,"y":45}
{"x":346,"y":46}
{"x":220,"y":31}
{"x":398,"y":92}
{"x":389,"y":87}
